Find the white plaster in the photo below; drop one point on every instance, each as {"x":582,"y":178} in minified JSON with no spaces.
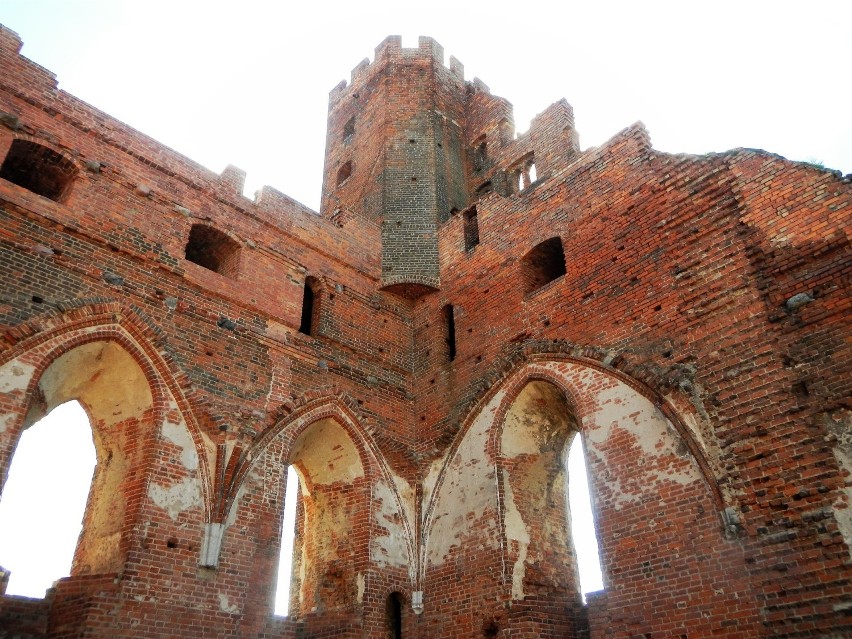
{"x":179,"y":435}
{"x":387,"y":546}
{"x":176,"y":498}
{"x":468,"y":489}
{"x":361,"y":582}
{"x":15,"y":376}
{"x":516,"y":531}
{"x":226,"y":606}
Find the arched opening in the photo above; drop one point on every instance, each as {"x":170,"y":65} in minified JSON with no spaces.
{"x":112,"y":386}
{"x":44,"y":499}
{"x":544,"y":263}
{"x":547,"y":530}
{"x":38,"y":169}
{"x":332,"y":502}
{"x":393,"y":615}
{"x":213,"y":250}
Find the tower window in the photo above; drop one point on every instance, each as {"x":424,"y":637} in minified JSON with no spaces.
{"x":38,"y":169}
{"x":344,"y":172}
{"x":450,"y":331}
{"x":480,"y":154}
{"x":349,"y":129}
{"x":213,"y":250}
{"x":526,"y":173}
{"x":543,"y":264}
{"x":471,"y":229}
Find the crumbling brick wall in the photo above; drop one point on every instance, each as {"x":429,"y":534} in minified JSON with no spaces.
{"x":686,"y":317}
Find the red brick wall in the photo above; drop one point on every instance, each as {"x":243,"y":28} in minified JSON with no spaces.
{"x":699,"y":337}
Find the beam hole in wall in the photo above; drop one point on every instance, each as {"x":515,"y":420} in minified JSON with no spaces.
{"x":544,"y":263}
{"x":46,"y":506}
{"x":214,"y":250}
{"x":38,"y":169}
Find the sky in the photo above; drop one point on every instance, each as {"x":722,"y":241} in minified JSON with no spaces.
{"x":246,"y":83}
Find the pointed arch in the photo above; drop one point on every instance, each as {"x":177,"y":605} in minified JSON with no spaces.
{"x":285,"y":435}
{"x":494,"y":403}
{"x":33,"y":346}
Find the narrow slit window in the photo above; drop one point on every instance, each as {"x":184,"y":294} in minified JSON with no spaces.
{"x":39,"y":547}
{"x":471,"y":229}
{"x":542,"y":264}
{"x":38,"y":169}
{"x":480,"y":154}
{"x":310,"y":307}
{"x":450,"y":331}
{"x":213,"y":250}
{"x":349,"y":129}
{"x":288,"y":538}
{"x":583,"y":533}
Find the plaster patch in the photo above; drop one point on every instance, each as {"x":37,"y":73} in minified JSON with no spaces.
{"x":388,"y":547}
{"x":180,"y":437}
{"x":226,"y":606}
{"x":176,"y":498}
{"x":516,"y":531}
{"x":15,"y":376}
{"x":468,"y":489}
{"x":362,"y":586}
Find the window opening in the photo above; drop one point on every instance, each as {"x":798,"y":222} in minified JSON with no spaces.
{"x":525,"y":174}
{"x":349,"y":129}
{"x":213,"y":250}
{"x":450,"y":324}
{"x":310,"y":308}
{"x":471,"y":229}
{"x":38,"y":169}
{"x":393,"y":612}
{"x":480,"y":154}
{"x":288,"y":538}
{"x":344,"y":173}
{"x":583,"y":534}
{"x":543,"y":264}
{"x":47,"y":512}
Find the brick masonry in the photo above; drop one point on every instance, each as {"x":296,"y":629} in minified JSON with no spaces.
{"x":693,"y":331}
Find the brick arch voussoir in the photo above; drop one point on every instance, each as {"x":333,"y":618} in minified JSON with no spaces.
{"x":77,"y":322}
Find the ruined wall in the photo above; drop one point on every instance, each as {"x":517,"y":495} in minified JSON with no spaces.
{"x":685,"y":317}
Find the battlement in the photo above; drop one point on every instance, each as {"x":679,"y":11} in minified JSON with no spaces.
{"x":391,"y":51}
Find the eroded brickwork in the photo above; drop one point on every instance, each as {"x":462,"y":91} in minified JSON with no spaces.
{"x":478,"y":300}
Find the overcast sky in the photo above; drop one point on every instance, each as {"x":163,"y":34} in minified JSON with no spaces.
{"x":246,"y":83}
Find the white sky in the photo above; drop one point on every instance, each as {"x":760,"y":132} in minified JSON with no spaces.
{"x":246,"y":83}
